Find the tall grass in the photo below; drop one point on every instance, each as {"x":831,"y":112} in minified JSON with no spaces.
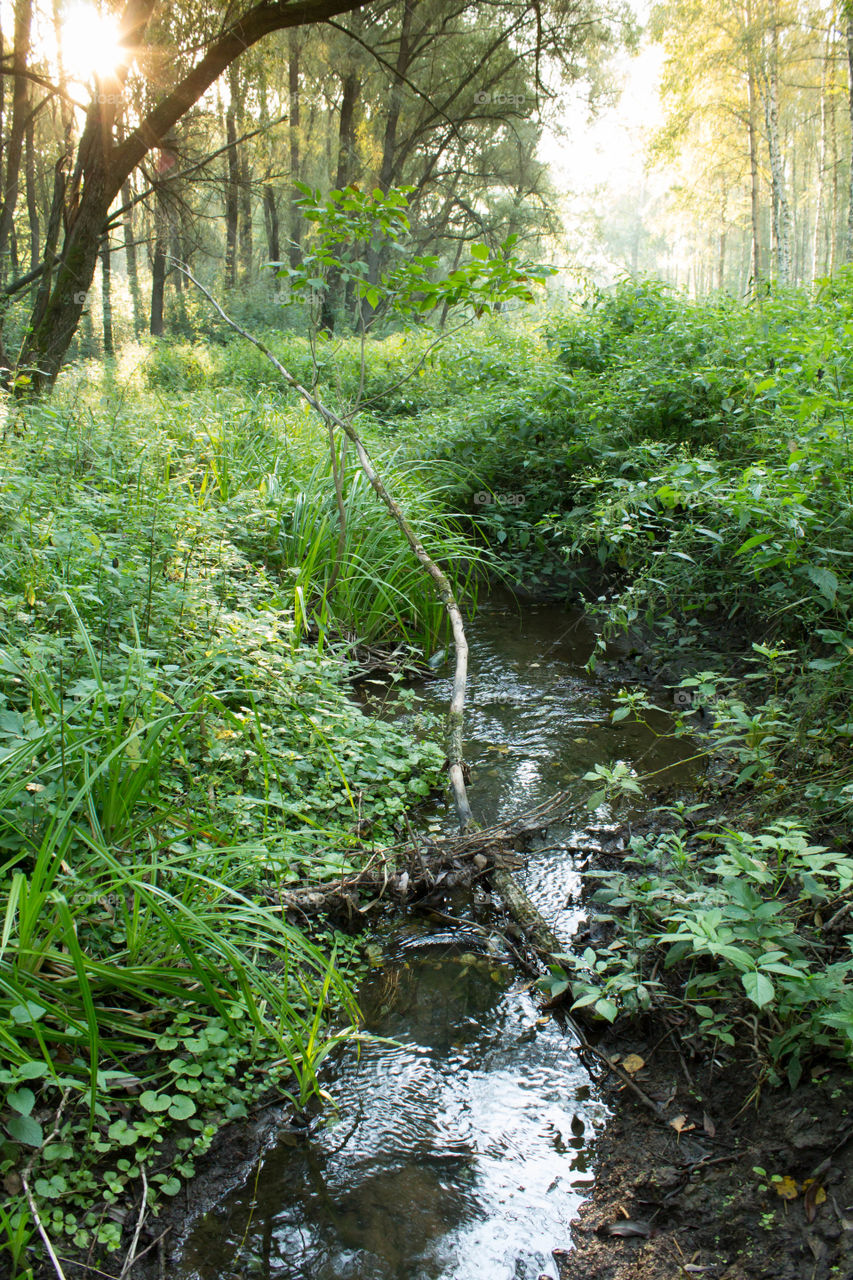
{"x":380,"y":591}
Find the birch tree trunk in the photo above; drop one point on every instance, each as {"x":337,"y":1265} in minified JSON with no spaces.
{"x":755,"y":217}
{"x":106,"y":299}
{"x":131,"y":259}
{"x":782,"y":220}
{"x":232,"y":200}
{"x":821,"y":168}
{"x":848,"y":243}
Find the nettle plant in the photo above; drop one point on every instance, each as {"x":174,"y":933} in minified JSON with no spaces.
{"x":723,"y":912}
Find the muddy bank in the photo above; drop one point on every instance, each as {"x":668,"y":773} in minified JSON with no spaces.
{"x":747,"y":1188}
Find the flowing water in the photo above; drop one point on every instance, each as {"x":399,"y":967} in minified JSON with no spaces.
{"x":460,"y":1146}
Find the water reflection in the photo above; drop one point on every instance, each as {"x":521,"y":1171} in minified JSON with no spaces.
{"x":454,"y":1155}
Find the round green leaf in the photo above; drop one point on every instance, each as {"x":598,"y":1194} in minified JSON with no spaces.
{"x":182,"y":1108}
{"x":154,"y":1101}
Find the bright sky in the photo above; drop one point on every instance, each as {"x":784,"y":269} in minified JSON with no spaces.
{"x":609,"y":149}
{"x":595,"y":162}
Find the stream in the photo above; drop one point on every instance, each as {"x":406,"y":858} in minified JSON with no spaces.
{"x":459,"y":1148}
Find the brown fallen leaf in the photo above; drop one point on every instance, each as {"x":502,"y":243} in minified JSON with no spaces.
{"x":12,"y":1183}
{"x":633,"y":1063}
{"x":681,"y":1125}
{"x":708,"y":1125}
{"x":814,"y":1197}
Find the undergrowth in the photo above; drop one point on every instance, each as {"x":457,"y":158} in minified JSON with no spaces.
{"x":178,"y":744}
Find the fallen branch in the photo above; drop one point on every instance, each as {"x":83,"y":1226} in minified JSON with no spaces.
{"x":455,"y":761}
{"x":25,"y":1183}
{"x":143,"y":1205}
{"x":420,"y":865}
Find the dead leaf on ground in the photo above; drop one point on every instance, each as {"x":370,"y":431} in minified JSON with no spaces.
{"x":786,"y":1188}
{"x":708,"y":1125}
{"x":681,"y":1124}
{"x":815,"y":1196}
{"x":818,"y":1248}
{"x":633,"y":1063}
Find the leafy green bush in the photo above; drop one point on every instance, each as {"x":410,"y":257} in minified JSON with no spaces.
{"x":714,"y":923}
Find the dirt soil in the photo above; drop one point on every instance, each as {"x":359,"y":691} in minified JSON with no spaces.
{"x":748,"y":1187}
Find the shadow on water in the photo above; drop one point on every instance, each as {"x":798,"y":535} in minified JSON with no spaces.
{"x":460,"y":1151}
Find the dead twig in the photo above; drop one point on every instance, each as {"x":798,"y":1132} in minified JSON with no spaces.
{"x":131,"y":1254}
{"x":25,"y":1183}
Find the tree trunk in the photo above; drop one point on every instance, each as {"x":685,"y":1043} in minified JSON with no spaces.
{"x":232,"y":203}
{"x":848,"y":245}
{"x":131,"y":260}
{"x":106,"y":299}
{"x":271,"y":224}
{"x":755,"y":217}
{"x":32,"y":200}
{"x":245,"y":237}
{"x":821,"y":167}
{"x":158,"y":269}
{"x":15,"y":141}
{"x":782,"y":220}
{"x":295,"y":246}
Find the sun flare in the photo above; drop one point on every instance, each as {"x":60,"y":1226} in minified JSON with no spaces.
{"x":90,"y":42}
